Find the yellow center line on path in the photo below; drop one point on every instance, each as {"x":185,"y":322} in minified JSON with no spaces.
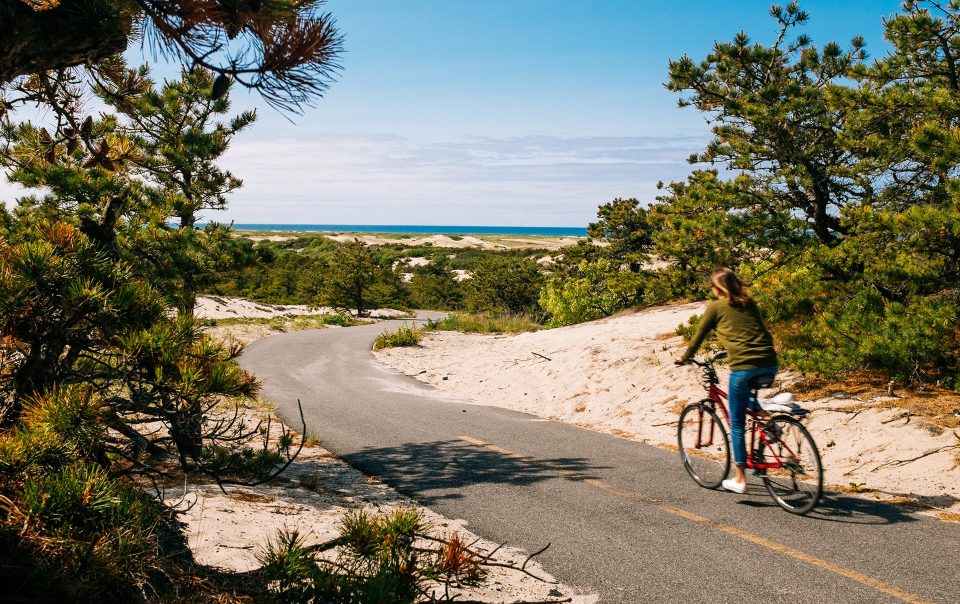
{"x":820,"y":563}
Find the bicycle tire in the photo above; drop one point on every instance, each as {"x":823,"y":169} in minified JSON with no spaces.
{"x":798,"y":485}
{"x":707,"y":465}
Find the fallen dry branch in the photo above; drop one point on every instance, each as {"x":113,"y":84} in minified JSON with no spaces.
{"x":902,"y":462}
{"x":905,"y":415}
{"x":484,"y":559}
{"x":563,"y":601}
{"x":660,"y":425}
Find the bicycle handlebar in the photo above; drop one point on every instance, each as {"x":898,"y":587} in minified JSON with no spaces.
{"x":709,"y":361}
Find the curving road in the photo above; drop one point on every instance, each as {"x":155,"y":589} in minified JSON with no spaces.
{"x":623,"y":518}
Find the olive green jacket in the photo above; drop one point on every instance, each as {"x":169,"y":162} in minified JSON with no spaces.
{"x":741,"y":332}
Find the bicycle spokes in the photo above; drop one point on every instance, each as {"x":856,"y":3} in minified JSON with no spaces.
{"x":795,"y":476}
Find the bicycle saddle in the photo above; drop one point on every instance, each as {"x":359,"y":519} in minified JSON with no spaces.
{"x":761,"y":381}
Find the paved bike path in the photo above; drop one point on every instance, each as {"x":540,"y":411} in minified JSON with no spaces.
{"x":623,"y":519}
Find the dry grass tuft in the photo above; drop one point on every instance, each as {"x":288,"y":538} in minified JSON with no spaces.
{"x":949,"y":516}
{"x":937,"y":405}
{"x":251,"y":497}
{"x":456,"y":560}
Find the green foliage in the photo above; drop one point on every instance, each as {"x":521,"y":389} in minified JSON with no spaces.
{"x":358,"y":277}
{"x":98,"y":380}
{"x":829,"y":327}
{"x":843,"y":208}
{"x":240,"y":463}
{"x":377,"y":561}
{"x":179,"y":141}
{"x":624,"y":226}
{"x":338,"y":319}
{"x":54,"y":431}
{"x":689,"y":329}
{"x":772,"y":115}
{"x":503,"y":284}
{"x":483,"y":323}
{"x":403,"y":336}
{"x":586,"y":295}
{"x":433,"y":287}
{"x":77,"y":534}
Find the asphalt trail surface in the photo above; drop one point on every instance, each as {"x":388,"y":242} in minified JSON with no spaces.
{"x":623,"y":518}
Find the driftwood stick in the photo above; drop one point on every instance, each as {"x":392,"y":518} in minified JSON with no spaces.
{"x":842,"y":410}
{"x":536,"y":553}
{"x":563,"y":601}
{"x":905,"y":415}
{"x":902,"y":462}
{"x":540,"y":355}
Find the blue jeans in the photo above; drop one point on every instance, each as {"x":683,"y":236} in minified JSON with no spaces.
{"x":738,"y":397}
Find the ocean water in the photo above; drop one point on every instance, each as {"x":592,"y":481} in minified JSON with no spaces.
{"x":420,"y":229}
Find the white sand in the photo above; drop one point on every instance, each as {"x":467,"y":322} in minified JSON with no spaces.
{"x":434,"y":240}
{"x":487,"y":242}
{"x":226,"y":307}
{"x":617,"y":375}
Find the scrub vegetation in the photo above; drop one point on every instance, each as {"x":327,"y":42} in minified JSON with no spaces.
{"x":832,"y":182}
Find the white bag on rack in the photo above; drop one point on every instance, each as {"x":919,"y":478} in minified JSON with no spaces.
{"x":782,"y":403}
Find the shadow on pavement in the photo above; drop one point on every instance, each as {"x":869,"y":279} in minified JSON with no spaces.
{"x":834,"y":507}
{"x":434,"y":471}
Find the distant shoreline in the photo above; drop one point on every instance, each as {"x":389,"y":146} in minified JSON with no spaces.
{"x":417,"y":229}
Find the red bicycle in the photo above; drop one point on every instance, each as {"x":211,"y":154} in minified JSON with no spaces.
{"x":780,"y":450}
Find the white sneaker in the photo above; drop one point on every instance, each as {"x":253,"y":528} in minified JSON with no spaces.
{"x":734,"y":487}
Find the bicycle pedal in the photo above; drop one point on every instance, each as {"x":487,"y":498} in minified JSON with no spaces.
{"x":760,"y":472}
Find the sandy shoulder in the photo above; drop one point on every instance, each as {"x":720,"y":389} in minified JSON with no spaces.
{"x":616,"y":375}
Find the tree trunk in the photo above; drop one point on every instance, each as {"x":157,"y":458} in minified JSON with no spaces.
{"x":187,"y":297}
{"x":37,"y":374}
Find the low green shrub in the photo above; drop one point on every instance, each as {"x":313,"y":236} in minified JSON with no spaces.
{"x":378,"y":560}
{"x":484,"y":323}
{"x":686,"y":330}
{"x":240,"y":463}
{"x":79,"y":535}
{"x":338,"y":319}
{"x":404,"y":336}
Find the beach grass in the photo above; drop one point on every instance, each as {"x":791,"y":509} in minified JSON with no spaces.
{"x":404,"y":336}
{"x":290,"y":323}
{"x":484,"y":323}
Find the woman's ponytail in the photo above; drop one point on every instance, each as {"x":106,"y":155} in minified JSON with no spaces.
{"x":732,"y":288}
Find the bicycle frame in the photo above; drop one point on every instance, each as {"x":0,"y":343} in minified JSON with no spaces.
{"x":718,"y":396}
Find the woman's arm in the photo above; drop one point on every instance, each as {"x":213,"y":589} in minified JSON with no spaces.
{"x":707,"y":322}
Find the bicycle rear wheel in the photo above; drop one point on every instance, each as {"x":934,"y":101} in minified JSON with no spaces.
{"x":704,"y":446}
{"x":797,"y":484}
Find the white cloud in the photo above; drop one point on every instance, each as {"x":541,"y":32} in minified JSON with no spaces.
{"x":367,"y":179}
{"x":532,"y":180}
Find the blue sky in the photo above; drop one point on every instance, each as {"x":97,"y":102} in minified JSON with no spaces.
{"x":499,"y":112}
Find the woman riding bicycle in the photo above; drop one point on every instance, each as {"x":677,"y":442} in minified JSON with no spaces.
{"x":749,"y":347}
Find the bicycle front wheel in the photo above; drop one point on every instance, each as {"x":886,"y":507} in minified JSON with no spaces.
{"x":797,"y":484}
{"x":704,"y":446}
